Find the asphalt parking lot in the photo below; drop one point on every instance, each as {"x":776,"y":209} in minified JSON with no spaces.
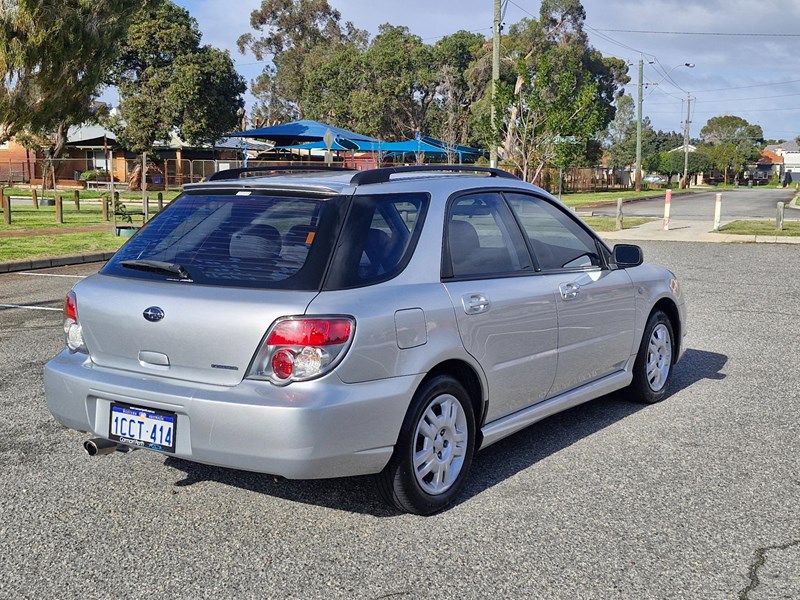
{"x":696,"y":497}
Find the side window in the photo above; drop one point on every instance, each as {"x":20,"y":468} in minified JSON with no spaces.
{"x":558,"y":242}
{"x":483,"y":238}
{"x":377,"y":239}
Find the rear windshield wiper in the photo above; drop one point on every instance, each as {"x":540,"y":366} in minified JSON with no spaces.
{"x":157,"y":266}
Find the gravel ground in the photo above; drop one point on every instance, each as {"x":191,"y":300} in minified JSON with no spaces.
{"x":696,"y":497}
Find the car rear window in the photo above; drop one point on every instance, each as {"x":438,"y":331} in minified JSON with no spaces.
{"x":261,"y":241}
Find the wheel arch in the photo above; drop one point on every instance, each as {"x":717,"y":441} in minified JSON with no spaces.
{"x":465,"y":374}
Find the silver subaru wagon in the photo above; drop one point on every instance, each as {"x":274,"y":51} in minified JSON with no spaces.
{"x":315,"y":323}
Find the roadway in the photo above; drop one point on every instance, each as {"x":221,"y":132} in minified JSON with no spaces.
{"x":737,"y":203}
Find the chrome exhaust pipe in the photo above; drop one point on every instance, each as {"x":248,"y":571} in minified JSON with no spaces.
{"x":97,"y":446}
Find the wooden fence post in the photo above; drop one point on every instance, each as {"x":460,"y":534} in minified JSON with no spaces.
{"x":160,"y":201}
{"x":6,"y":206}
{"x":105,"y":200}
{"x":35,"y":198}
{"x":778,"y":216}
{"x":619,"y":215}
{"x":59,"y":208}
{"x":76,"y":196}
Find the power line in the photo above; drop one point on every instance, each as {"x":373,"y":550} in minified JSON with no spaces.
{"x":733,"y":99}
{"x":744,"y":87}
{"x":712,"y":33}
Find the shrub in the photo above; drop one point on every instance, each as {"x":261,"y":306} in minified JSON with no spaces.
{"x":94,"y":175}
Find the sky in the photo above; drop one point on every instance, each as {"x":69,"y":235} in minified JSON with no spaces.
{"x":745,"y":53}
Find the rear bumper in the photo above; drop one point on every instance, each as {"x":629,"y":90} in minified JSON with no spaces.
{"x":310,"y":430}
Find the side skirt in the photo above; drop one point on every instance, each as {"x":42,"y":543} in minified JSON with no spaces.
{"x":497,"y":430}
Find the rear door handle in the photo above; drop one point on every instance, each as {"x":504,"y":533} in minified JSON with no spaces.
{"x":475,"y":303}
{"x":569,"y":291}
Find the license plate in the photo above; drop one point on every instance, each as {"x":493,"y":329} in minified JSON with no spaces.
{"x":143,"y":427}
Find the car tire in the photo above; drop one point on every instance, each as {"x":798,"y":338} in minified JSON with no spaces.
{"x":652,"y":370}
{"x":434,"y":450}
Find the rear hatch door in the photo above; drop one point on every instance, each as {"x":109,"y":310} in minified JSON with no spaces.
{"x":207,"y":334}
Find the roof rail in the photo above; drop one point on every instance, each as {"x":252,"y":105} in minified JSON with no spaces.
{"x":382,"y":175}
{"x":235,"y":173}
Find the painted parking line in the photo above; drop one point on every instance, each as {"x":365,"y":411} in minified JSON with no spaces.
{"x":51,"y":275}
{"x":30,"y":307}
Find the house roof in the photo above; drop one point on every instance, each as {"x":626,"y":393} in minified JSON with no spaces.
{"x":681,"y":148}
{"x":790,"y":146}
{"x":90,"y":136}
{"x":768,"y":157}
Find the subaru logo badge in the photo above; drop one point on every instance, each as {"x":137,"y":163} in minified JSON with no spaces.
{"x":153,"y":314}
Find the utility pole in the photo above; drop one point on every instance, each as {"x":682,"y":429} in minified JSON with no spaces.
{"x":686,"y":125}
{"x":638,"y":175}
{"x":495,"y":78}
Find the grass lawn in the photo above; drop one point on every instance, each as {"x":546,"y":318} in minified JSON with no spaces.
{"x":41,"y":246}
{"x":593,"y":197}
{"x":27,"y":217}
{"x":790,"y":228}
{"x":610,"y":223}
{"x":92,"y":194}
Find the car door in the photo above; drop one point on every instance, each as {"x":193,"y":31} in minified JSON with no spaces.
{"x":596,"y":304}
{"x":506,"y":316}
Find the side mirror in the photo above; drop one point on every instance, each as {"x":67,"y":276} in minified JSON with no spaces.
{"x":627,"y":255}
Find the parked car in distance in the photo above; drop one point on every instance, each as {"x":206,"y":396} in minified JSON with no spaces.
{"x":328,"y":323}
{"x":655,"y":179}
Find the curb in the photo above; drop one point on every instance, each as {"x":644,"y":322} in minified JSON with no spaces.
{"x":58,"y":261}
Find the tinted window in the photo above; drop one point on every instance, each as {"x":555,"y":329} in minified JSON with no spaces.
{"x":483,"y":238}
{"x":246,"y":241}
{"x":557,"y":240}
{"x":377,"y":239}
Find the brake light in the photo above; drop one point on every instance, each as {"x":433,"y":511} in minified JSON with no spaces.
{"x":71,"y":306}
{"x":310,"y":332}
{"x":299,"y":349}
{"x":73,"y":333}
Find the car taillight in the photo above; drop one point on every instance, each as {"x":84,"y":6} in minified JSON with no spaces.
{"x":73,"y":334}
{"x":299,"y":349}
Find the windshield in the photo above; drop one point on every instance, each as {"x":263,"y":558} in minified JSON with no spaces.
{"x":263,"y":241}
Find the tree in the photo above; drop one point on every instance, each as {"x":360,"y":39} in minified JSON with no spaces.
{"x":455,"y":55}
{"x":622,"y":136}
{"x":555,"y":112}
{"x":54,"y":58}
{"x":292,"y":31}
{"x":168,"y":82}
{"x":731,"y":142}
{"x":564,"y":89}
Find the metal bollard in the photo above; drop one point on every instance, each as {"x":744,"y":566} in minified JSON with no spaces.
{"x":619,"y":215}
{"x":667,"y":202}
{"x":779,"y":217}
{"x":717,"y":211}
